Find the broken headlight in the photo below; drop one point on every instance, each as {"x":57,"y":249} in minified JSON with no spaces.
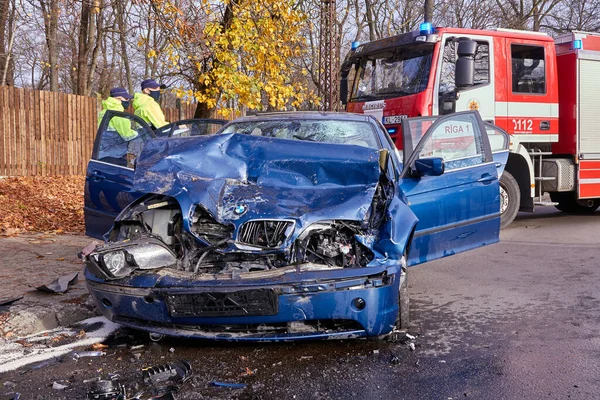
{"x":119,"y":262}
{"x":115,"y":263}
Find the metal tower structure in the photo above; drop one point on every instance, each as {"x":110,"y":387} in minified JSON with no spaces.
{"x":329,"y":56}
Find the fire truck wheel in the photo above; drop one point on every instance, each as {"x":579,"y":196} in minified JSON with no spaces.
{"x":510,"y":198}
{"x":567,"y":202}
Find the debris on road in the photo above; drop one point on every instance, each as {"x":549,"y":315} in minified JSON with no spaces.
{"x":106,"y":389}
{"x":59,"y":386}
{"x":82,"y":354}
{"x":179,"y":371}
{"x":61,"y":284}
{"x":13,"y":355}
{"x":411,"y":346}
{"x":229,"y":385}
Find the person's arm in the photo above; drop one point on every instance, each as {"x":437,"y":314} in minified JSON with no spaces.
{"x":123,"y":127}
{"x":156,"y":116}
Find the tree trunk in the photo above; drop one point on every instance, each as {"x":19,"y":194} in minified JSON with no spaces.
{"x":202,"y":111}
{"x":7,"y":24}
{"x":120,"y":17}
{"x":428,"y":12}
{"x":50,"y":11}
{"x":370,"y":21}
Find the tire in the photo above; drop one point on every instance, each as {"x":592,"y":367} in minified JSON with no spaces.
{"x":403,"y":299}
{"x":510,"y":199}
{"x":567,"y":202}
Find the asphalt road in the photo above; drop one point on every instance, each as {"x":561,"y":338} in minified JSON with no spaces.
{"x":515,"y":320}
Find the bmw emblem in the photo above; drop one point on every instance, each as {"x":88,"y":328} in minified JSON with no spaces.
{"x":240,"y":209}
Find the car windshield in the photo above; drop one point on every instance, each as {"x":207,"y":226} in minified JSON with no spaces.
{"x":385,"y":75}
{"x":325,"y":131}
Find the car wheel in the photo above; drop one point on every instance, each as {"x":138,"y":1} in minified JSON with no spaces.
{"x":567,"y":202}
{"x":403,"y":299}
{"x":510,"y":199}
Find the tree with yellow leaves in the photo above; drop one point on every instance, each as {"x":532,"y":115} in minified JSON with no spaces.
{"x":235,"y":53}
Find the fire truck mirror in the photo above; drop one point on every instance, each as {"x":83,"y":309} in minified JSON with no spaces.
{"x":465,"y":64}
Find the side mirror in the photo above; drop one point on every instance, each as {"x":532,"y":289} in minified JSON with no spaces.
{"x":465,"y":64}
{"x":431,"y":166}
{"x":344,"y":91}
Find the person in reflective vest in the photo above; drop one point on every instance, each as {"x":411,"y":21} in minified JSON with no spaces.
{"x":146,"y":104}
{"x":118,"y":134}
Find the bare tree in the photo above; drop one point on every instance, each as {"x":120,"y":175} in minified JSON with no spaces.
{"x":50,"y":11}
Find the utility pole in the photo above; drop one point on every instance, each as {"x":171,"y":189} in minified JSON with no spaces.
{"x":329,"y":57}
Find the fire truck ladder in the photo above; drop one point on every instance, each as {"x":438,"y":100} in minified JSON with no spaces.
{"x":537,"y":156}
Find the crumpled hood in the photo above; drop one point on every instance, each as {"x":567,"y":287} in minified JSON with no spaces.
{"x":270,"y":177}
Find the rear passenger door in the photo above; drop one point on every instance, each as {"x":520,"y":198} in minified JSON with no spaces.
{"x":109,"y":176}
{"x":459,"y":209}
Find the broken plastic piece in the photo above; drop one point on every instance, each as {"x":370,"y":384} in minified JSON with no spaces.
{"x":103,"y":389}
{"x":60,"y":284}
{"x":9,"y":300}
{"x":177,"y":371}
{"x":229,"y":385}
{"x":82,"y":354}
{"x":87,"y":250}
{"x":165,"y":393}
{"x":59,"y":386}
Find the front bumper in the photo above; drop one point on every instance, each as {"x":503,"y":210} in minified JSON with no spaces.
{"x":317,"y":308}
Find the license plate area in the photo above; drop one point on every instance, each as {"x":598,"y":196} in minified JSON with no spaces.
{"x":241,"y":303}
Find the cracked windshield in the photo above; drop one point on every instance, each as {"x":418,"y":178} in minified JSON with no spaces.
{"x":332,"y":131}
{"x":402,"y":74}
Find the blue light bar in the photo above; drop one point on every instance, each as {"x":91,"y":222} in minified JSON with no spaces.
{"x":426,"y":28}
{"x":391,"y":131}
{"x":578,"y":44}
{"x":354,"y":45}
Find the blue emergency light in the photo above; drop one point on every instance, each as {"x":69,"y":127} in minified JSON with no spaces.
{"x":354,"y":45}
{"x":578,"y":44}
{"x":426,"y":28}
{"x":391,"y":131}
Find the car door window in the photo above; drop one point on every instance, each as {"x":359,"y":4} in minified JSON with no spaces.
{"x":120,"y":139}
{"x":458,"y":140}
{"x":191,"y":127}
{"x":499,"y":139}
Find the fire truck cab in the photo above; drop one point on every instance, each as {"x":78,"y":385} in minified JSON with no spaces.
{"x":540,"y":90}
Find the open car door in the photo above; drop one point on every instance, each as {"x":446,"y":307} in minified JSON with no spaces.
{"x":451,"y":184}
{"x":191,"y":127}
{"x":109,"y":176}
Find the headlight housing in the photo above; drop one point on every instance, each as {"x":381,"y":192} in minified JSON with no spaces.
{"x":118,"y":261}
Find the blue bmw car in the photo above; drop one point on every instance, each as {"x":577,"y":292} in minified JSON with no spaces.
{"x":284,"y":226}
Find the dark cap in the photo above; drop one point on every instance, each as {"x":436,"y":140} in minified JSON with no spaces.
{"x":120,"y":92}
{"x":152,"y":84}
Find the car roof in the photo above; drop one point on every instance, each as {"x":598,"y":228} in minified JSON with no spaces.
{"x":306,"y":115}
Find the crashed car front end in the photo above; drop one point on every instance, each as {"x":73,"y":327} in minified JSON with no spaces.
{"x":249,"y":238}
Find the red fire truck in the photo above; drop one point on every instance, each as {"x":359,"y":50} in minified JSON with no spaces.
{"x":541,"y":90}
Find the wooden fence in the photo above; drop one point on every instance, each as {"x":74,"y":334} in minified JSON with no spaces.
{"x":46,"y":133}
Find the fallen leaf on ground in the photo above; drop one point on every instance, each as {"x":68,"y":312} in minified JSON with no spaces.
{"x":41,"y":204}
{"x":99,"y":346}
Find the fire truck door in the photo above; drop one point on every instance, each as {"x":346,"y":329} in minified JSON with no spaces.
{"x":529,"y":106}
{"x":480,"y":96}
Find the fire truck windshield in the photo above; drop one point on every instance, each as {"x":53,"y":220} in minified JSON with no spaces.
{"x":381,"y":76}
